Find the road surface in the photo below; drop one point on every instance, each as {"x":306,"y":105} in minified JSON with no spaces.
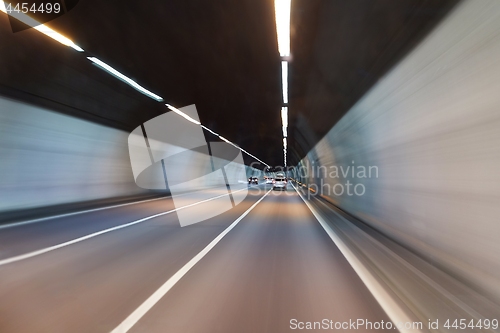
{"x":274,"y":269}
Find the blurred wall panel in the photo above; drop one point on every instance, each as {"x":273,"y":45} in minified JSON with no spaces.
{"x":431,"y":126}
{"x":48,"y":158}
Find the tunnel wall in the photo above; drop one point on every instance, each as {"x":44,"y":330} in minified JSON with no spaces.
{"x":48,"y":158}
{"x":431,"y":127}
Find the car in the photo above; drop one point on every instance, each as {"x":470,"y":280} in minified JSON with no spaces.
{"x":279,"y":183}
{"x":269,"y":180}
{"x":253,"y":180}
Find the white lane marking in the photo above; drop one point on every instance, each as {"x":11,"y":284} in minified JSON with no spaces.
{"x":388,"y":304}
{"x":10,"y":225}
{"x":121,"y":226}
{"x":135,"y":316}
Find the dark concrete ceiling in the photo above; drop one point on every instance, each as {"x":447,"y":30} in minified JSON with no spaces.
{"x":220,"y":55}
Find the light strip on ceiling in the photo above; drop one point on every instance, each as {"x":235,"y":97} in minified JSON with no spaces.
{"x":282,"y":12}
{"x":182,"y":114}
{"x":261,"y":161}
{"x":101,"y":64}
{"x":66,"y":41}
{"x":40,"y":27}
{"x":185,"y":116}
{"x":284,"y":121}
{"x":208,"y":129}
{"x":226,"y":140}
{"x":284,"y":80}
{"x":284,"y":116}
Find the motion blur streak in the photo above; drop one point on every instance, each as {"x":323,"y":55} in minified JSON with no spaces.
{"x":49,"y":159}
{"x":102,"y":232}
{"x":41,"y":27}
{"x":416,"y":121}
{"x":432,"y":128}
{"x":124,"y":78}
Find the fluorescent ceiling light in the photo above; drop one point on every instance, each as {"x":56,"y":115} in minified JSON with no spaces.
{"x":124,"y":78}
{"x":66,"y":41}
{"x":284,"y":80}
{"x":226,"y":140}
{"x":282,"y":12}
{"x":208,"y":129}
{"x":243,"y":150}
{"x":58,"y":37}
{"x":40,"y":27}
{"x":285,"y":133}
{"x":284,"y":116}
{"x":284,"y":142}
{"x":182,"y":114}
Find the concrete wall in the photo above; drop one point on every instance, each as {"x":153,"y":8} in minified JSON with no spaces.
{"x":48,"y":158}
{"x":432,"y":128}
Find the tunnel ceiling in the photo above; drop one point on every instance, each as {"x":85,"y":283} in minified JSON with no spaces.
{"x":221,"y":56}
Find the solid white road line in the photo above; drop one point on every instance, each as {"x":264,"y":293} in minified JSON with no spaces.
{"x":135,"y":316}
{"x":121,"y":226}
{"x":11,"y":225}
{"x":388,"y":304}
{"x":41,"y":219}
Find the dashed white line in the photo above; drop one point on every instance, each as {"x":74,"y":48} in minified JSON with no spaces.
{"x":11,"y":225}
{"x":95,"y":234}
{"x":135,"y":316}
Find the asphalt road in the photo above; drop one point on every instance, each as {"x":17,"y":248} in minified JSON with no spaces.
{"x":275,"y":265}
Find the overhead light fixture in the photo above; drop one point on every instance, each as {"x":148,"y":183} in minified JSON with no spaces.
{"x":284,"y":80}
{"x":243,"y":150}
{"x":226,"y":140}
{"x":284,"y":116}
{"x":179,"y":112}
{"x":208,"y":129}
{"x":40,"y":27}
{"x":182,"y":114}
{"x":284,"y":120}
{"x":124,"y":78}
{"x":66,"y":41}
{"x":282,"y":12}
{"x":58,"y":37}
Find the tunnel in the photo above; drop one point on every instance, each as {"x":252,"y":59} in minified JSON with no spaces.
{"x":249,"y":166}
